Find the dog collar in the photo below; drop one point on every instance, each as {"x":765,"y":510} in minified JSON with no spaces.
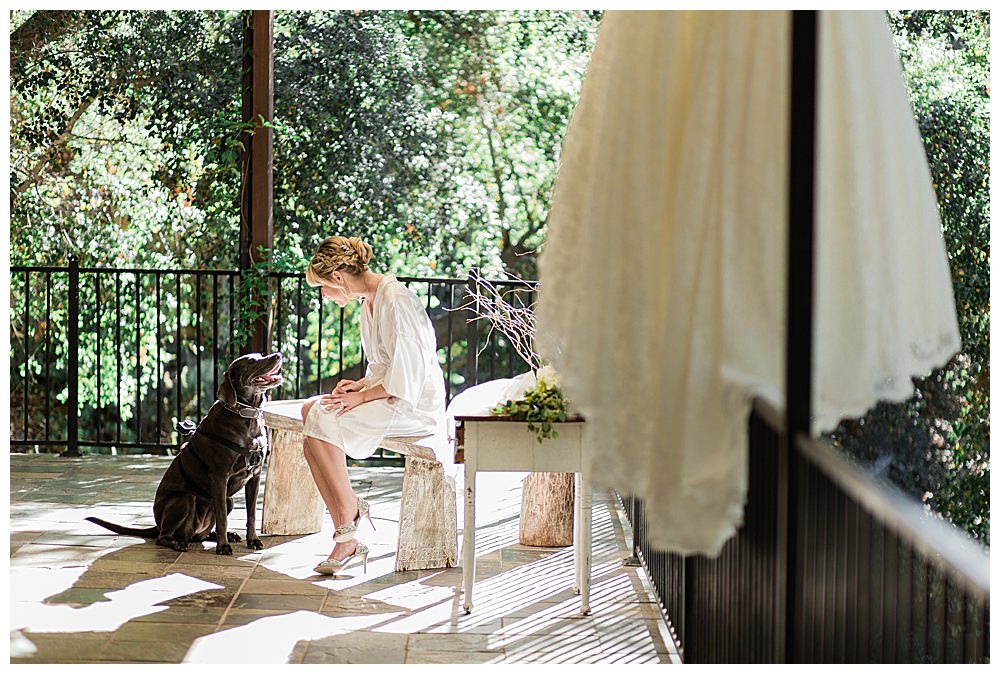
{"x":244,"y":410}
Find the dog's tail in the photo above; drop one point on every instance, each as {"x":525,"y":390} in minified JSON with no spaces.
{"x":151,"y":532}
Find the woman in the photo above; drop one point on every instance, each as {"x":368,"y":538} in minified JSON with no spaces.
{"x":402,"y":392}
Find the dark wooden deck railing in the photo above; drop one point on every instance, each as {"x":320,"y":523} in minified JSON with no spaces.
{"x":878,"y":578}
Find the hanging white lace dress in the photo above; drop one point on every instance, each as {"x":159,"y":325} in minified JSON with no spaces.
{"x":662,"y":299}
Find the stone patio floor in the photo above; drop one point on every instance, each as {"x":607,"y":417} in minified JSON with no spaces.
{"x":80,"y":594}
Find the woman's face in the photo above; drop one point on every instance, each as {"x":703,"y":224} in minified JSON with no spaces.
{"x":336,"y":292}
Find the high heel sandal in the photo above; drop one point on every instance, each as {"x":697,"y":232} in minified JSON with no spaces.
{"x":331,"y":566}
{"x":345,"y":532}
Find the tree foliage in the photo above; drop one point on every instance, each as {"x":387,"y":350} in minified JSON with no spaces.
{"x":112,"y":120}
{"x":435,"y":135}
{"x":356,"y":144}
{"x":506,"y":83}
{"x":936,"y":445}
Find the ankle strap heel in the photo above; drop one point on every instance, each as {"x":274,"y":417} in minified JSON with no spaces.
{"x":332,"y":566}
{"x":346,"y":531}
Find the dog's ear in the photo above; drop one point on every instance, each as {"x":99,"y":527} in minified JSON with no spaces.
{"x":226,"y":392}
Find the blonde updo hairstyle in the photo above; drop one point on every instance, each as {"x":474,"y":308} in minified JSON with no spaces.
{"x":338,"y":253}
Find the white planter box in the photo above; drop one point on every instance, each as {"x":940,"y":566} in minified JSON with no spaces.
{"x":504,"y":445}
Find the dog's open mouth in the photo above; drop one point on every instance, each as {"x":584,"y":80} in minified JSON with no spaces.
{"x":272,"y":378}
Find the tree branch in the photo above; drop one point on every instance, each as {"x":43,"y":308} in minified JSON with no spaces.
{"x":61,"y":140}
{"x":110,"y":141}
{"x":42,"y":28}
{"x":497,"y":174}
{"x":533,"y":225}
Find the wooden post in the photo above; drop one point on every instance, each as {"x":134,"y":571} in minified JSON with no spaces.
{"x":547,"y":510}
{"x":72,"y":360}
{"x":802,"y":133}
{"x":256,"y":179}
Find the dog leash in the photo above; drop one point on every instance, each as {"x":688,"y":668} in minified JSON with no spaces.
{"x":253,"y":456}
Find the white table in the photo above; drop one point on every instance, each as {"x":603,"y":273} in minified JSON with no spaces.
{"x":485,"y":443}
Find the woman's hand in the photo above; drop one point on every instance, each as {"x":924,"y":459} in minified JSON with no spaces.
{"x":349,"y":386}
{"x":343,"y":402}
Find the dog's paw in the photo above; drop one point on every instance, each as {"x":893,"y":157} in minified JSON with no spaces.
{"x":167,"y":542}
{"x":233,"y":538}
{"x":223,"y":549}
{"x":254,"y":544}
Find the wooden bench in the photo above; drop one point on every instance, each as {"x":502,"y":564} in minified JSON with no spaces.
{"x":428,"y":524}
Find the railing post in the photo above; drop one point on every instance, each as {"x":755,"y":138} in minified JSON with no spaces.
{"x":472,"y":342}
{"x":633,"y":508}
{"x":73,"y":360}
{"x":691,"y":633}
{"x":799,"y":328}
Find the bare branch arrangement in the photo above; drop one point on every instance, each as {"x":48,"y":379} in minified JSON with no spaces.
{"x":510,"y":312}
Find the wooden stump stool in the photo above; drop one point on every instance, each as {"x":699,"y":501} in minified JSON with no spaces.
{"x":292,"y":503}
{"x":428,"y":517}
{"x":428,"y":514}
{"x":547,"y":510}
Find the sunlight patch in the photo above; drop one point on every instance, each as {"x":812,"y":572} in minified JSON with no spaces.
{"x":413,"y":595}
{"x":136,"y":600}
{"x":271,"y":640}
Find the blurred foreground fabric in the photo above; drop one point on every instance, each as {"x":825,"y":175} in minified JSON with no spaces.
{"x":662,"y":300}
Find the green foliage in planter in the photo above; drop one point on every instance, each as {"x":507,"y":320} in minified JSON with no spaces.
{"x":542,"y":406}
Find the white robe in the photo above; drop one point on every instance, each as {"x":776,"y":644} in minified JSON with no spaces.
{"x":399,"y":343}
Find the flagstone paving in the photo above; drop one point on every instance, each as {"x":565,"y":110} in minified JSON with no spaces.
{"x":80,"y":594}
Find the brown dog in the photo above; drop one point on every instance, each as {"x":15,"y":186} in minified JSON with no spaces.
{"x":224,"y":455}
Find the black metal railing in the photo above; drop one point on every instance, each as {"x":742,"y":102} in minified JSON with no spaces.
{"x":110,"y":359}
{"x":878,"y":579}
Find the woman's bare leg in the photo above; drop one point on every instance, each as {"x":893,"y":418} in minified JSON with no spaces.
{"x":328,"y":465}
